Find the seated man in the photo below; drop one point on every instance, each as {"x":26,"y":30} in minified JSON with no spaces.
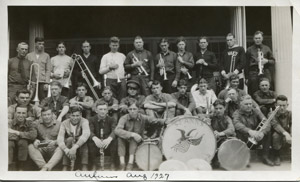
{"x":82,"y":100}
{"x":282,"y":125}
{"x":23,"y":98}
{"x":204,"y":98}
{"x":130,"y":129}
{"x":246,"y":120}
{"x":185,"y":103}
{"x":45,"y":145}
{"x":265,"y":97}
{"x":21,"y":132}
{"x":73,"y":134}
{"x":133,"y":88}
{"x":59,"y":104}
{"x":158,"y":105}
{"x":105,"y":141}
{"x":234,"y":82}
{"x":112,"y":103}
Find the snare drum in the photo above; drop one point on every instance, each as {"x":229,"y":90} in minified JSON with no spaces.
{"x":188,"y":137}
{"x":148,"y":156}
{"x":233,"y":154}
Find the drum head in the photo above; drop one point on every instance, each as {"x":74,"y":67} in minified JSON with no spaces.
{"x":148,"y":157}
{"x":173,"y":165}
{"x":187,"y":137}
{"x":233,"y":154}
{"x":198,"y":165}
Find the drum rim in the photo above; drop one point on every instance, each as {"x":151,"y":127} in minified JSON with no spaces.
{"x":142,"y":145}
{"x":230,"y":140}
{"x":191,"y":117}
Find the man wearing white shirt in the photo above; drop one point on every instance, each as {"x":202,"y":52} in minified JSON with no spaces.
{"x":112,"y":68}
{"x":204,"y":98}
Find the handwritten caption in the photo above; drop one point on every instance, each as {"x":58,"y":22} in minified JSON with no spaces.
{"x":96,"y":175}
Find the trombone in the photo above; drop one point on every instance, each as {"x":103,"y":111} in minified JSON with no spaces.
{"x":163,"y":69}
{"x":83,"y":67}
{"x":29,"y":86}
{"x":141,"y":69}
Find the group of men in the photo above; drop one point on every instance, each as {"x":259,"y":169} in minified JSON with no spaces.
{"x":75,"y":122}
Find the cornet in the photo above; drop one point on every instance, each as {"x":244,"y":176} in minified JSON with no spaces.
{"x":141,"y":68}
{"x":49,"y":89}
{"x":260,"y":58}
{"x":163,"y":69}
{"x":207,"y":106}
{"x":36,"y":98}
{"x":188,"y":74}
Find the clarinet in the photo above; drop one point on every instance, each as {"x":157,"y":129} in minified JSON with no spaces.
{"x":101,"y":151}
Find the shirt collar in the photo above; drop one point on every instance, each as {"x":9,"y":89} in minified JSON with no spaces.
{"x":53,"y":122}
{"x":139,"y":51}
{"x":165,"y":54}
{"x":246,"y":113}
{"x":181,"y":53}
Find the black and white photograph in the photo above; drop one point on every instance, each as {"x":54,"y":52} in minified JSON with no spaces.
{"x":149,"y":91}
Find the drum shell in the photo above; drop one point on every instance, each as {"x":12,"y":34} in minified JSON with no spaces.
{"x":151,"y":152}
{"x":174,"y":141}
{"x":233,"y":154}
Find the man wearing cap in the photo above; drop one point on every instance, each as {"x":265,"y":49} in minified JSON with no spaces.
{"x":134,"y":62}
{"x":133,"y":87}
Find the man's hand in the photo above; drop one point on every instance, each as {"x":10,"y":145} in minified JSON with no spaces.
{"x":46,"y":87}
{"x":52,"y":143}
{"x":123,"y":108}
{"x":106,"y":142}
{"x":160,"y":64}
{"x":180,"y":59}
{"x":113,"y":66}
{"x":288,"y":137}
{"x":136,"y":137}
{"x":226,"y":76}
{"x":259,"y":136}
{"x":246,"y":81}
{"x":228,"y":99}
{"x":67,"y":151}
{"x":184,"y":70}
{"x":150,"y":83}
{"x":36,"y":143}
{"x":264,"y":61}
{"x":98,"y":142}
{"x":200,"y":61}
{"x":14,"y":131}
{"x":252,"y":133}
{"x":174,"y":84}
{"x":72,"y":152}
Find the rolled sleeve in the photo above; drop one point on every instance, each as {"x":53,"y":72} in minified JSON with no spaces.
{"x":85,"y":133}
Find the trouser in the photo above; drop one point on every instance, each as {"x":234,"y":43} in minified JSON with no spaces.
{"x":118,"y":89}
{"x":94,"y":151}
{"x":82,"y":152}
{"x":278,"y":141}
{"x":122,"y":146}
{"x":265,"y":142}
{"x":38,"y":155}
{"x":153,"y":130}
{"x":143,"y":80}
{"x":254,"y":78}
{"x":265,"y":109}
{"x":17,"y":146}
{"x":11,"y":92}
{"x":167,"y":84}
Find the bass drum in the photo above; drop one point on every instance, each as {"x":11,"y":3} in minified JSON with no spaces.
{"x":188,"y":137}
{"x":148,"y":156}
{"x":233,"y":154}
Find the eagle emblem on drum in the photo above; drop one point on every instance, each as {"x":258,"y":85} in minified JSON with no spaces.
{"x":185,"y":141}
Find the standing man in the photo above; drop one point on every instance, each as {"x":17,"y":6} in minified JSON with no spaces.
{"x":185,"y":63}
{"x":21,"y":132}
{"x":61,"y":67}
{"x":18,"y":72}
{"x":92,"y":63}
{"x":246,"y":119}
{"x":102,"y":121}
{"x":233,"y":61}
{"x":59,"y":104}
{"x":72,"y":136}
{"x":252,"y":72}
{"x":137,"y":59}
{"x":206,"y":64}
{"x":40,"y":57}
{"x":45,"y":145}
{"x":112,"y":69}
{"x":166,"y":64}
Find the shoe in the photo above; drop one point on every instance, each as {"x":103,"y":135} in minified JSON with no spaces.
{"x":248,"y":166}
{"x":112,"y":167}
{"x":267,"y":161}
{"x":277,"y":161}
{"x":84,"y":167}
{"x":122,"y":167}
{"x":65,"y":168}
{"x":129,"y":167}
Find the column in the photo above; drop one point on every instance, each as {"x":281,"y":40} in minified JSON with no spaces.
{"x":36,"y":29}
{"x":282,"y":49}
{"x":238,"y":25}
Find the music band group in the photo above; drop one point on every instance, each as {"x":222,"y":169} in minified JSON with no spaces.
{"x":78,"y":109}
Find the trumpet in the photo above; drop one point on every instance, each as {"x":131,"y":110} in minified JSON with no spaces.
{"x":261,"y":126}
{"x":163,"y":69}
{"x":260,"y":58}
{"x":188,"y":74}
{"x":104,"y":80}
{"x":141,"y":68}
{"x":232,"y":65}
{"x":78,"y":59}
{"x":36,"y":98}
{"x":118,"y":78}
{"x":207,"y":106}
{"x":49,"y":89}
